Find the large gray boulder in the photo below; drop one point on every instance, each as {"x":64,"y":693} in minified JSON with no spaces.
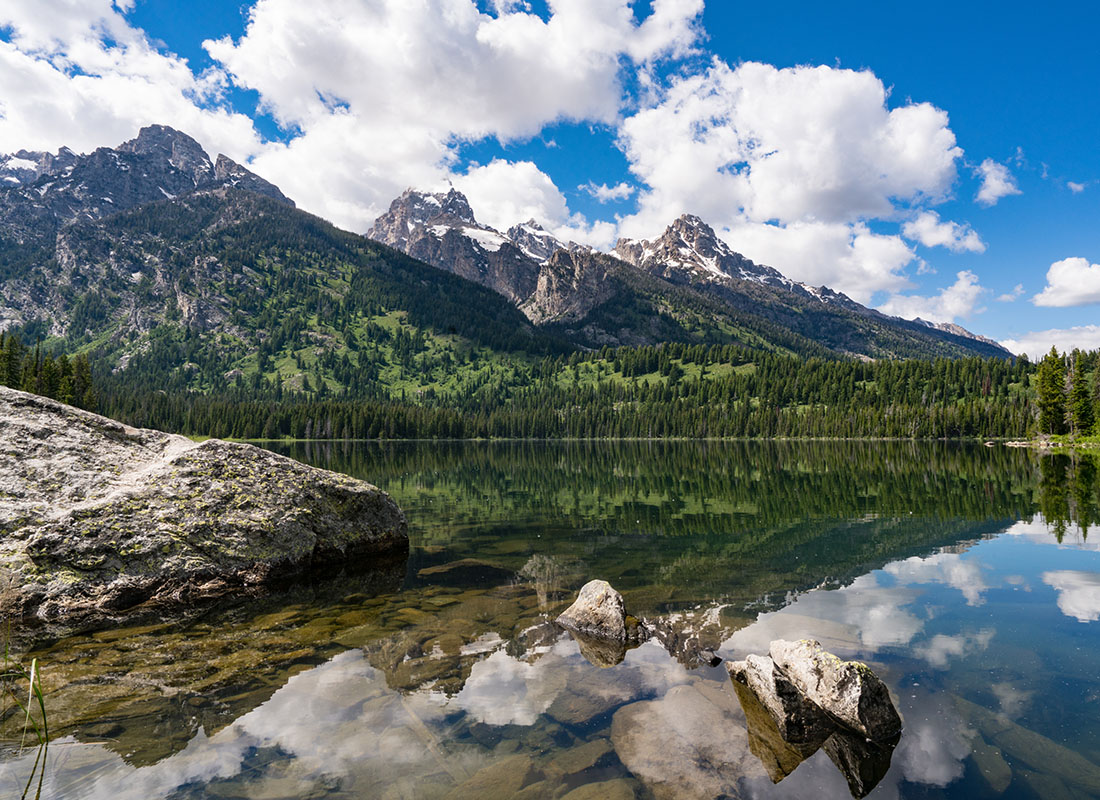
{"x":849,"y":691}
{"x":785,"y":729}
{"x":598,"y":611}
{"x":97,"y":517}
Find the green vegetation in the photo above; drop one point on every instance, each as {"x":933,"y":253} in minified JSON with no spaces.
{"x":1069,"y":394}
{"x":21,"y":689}
{"x":58,"y":377}
{"x":674,"y":390}
{"x":1069,"y":491}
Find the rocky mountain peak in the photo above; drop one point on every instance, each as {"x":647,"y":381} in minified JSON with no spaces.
{"x":689,"y":251}
{"x":534,"y":240}
{"x":441,"y":229}
{"x":228,"y":172}
{"x":177,"y":148}
{"x":40,"y":192}
{"x":27,"y":166}
{"x":413,"y":210}
{"x":455,"y":204}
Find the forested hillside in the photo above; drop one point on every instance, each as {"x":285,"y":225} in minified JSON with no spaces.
{"x":674,"y":390}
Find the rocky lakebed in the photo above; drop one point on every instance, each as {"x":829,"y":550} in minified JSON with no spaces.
{"x":214,"y":620}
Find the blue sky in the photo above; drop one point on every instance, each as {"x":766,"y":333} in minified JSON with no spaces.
{"x":844,"y":143}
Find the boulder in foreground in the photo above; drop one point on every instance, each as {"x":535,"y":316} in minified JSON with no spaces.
{"x":846,"y":690}
{"x":97,"y":517}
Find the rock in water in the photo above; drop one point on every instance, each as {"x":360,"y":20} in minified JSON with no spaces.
{"x":846,"y":690}
{"x":98,"y":517}
{"x":598,"y":611}
{"x":797,"y":720}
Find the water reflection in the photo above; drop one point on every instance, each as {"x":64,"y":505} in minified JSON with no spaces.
{"x":448,"y":680}
{"x":1069,"y":491}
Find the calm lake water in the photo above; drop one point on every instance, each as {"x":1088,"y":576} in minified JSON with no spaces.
{"x":965,"y":576}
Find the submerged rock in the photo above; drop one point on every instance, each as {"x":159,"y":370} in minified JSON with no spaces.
{"x":690,"y":744}
{"x":98,"y":517}
{"x":846,"y":690}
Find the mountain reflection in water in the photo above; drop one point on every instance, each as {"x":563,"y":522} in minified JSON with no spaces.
{"x":929,"y":562}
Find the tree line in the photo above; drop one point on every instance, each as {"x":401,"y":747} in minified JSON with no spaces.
{"x":1069,"y":393}
{"x":57,"y":376}
{"x":666,"y":391}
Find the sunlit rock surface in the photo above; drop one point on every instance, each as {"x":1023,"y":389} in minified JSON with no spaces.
{"x":847,"y":690}
{"x":98,"y":518}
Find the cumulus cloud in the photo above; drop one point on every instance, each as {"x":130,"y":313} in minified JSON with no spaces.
{"x":373,"y":97}
{"x":1009,"y":297}
{"x":850,"y":258}
{"x":1036,"y":344}
{"x":941,"y":648}
{"x":929,"y":230}
{"x":997,"y":182}
{"x":606,"y":194}
{"x":1076,"y":187}
{"x":393,"y":88}
{"x":950,"y":569}
{"x":1070,"y":282}
{"x":1078,"y":593}
{"x":781,"y":159}
{"x":953,"y":302}
{"x":77,"y":74}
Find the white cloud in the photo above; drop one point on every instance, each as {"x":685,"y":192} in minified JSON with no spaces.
{"x":606,"y":194}
{"x":849,"y":258}
{"x":1070,"y":282}
{"x":1009,"y":297}
{"x":950,"y":569}
{"x":503,"y":193}
{"x":953,"y":302}
{"x":1078,"y":593}
{"x":1036,"y":344}
{"x":781,"y":159}
{"x":997,"y":182}
{"x":76,"y":74}
{"x":375,"y":96}
{"x":388,"y":90}
{"x":941,"y":648}
{"x":929,"y":230}
{"x":1076,"y":187}
{"x":503,"y":690}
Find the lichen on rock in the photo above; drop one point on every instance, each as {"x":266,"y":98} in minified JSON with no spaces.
{"x":100,"y":517}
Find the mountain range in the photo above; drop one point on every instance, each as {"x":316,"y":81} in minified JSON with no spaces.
{"x":177,"y":270}
{"x":585,"y":295}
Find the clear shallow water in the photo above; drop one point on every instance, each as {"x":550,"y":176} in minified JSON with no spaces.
{"x":440,"y":677}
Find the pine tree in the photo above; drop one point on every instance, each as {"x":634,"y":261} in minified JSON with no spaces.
{"x":1080,"y":401}
{"x":1052,"y":393}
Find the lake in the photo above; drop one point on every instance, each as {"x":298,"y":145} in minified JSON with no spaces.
{"x":966,"y":576}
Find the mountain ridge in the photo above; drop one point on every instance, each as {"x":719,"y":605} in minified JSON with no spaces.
{"x":139,"y":249}
{"x":523,"y":265}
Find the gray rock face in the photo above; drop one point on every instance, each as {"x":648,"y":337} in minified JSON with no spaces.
{"x":598,"y":611}
{"x":846,"y":690}
{"x":797,"y":721}
{"x":98,"y":517}
{"x":568,"y":287}
{"x":441,"y":230}
{"x":786,"y":726}
{"x":159,"y":163}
